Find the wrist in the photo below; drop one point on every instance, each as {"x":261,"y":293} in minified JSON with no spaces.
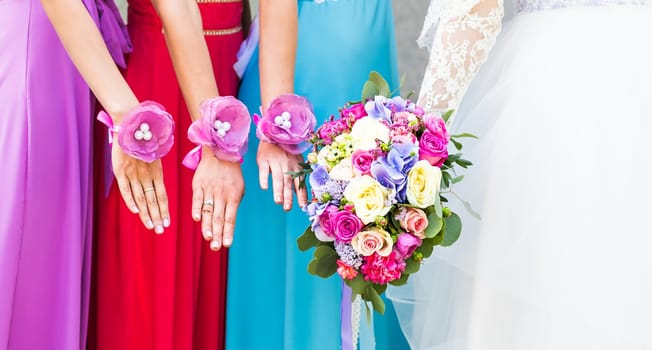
{"x":222,"y":131}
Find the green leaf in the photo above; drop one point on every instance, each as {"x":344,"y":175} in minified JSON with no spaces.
{"x":411,"y":266}
{"x":380,"y":288}
{"x":435,"y":223}
{"x":324,"y":263}
{"x":465,"y":134}
{"x":452,"y":230}
{"x":369,"y":90}
{"x":457,"y":179}
{"x":358,"y":284}
{"x":307,"y":240}
{"x":457,"y":144}
{"x":382,"y":84}
{"x":448,"y":115}
{"x":428,"y":245}
{"x":376,"y":300}
{"x":401,"y":281}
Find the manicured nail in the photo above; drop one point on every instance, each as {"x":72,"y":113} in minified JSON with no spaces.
{"x":208,"y":234}
{"x":159,"y":229}
{"x":135,"y":210}
{"x":166,"y":222}
{"x":196,"y":216}
{"x":227,"y":242}
{"x":215,"y":245}
{"x":149,"y":224}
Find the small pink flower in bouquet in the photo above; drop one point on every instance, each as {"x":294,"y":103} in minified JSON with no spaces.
{"x":223,"y":126}
{"x":362,"y":160}
{"x":414,"y":221}
{"x":288,"y":122}
{"x":147,"y":132}
{"x":383,"y":269}
{"x":326,"y":222}
{"x":437,"y":126}
{"x":346,"y":225}
{"x":406,"y":244}
{"x":345,"y":271}
{"x":355,"y":111}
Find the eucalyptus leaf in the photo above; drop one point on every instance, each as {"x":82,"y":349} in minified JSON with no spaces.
{"x":435,"y":223}
{"x":428,"y":245}
{"x":452,"y":230}
{"x":401,"y":281}
{"x":358,"y":284}
{"x":369,"y":90}
{"x":307,"y":240}
{"x":381,"y":83}
{"x":324,"y":263}
{"x":411,"y":266}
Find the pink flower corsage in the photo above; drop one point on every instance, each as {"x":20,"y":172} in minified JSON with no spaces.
{"x":223,"y":126}
{"x":288,"y":123}
{"x":146,"y":132}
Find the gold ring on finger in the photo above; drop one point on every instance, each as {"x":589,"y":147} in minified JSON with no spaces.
{"x":209,"y":202}
{"x":148,"y":189}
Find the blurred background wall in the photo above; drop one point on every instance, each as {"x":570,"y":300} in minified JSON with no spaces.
{"x":408,"y":18}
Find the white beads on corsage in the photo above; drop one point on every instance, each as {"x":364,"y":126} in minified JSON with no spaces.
{"x":143,"y":133}
{"x":283,"y":120}
{"x":221,"y":127}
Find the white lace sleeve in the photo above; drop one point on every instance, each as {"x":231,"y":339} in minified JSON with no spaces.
{"x":460,"y":34}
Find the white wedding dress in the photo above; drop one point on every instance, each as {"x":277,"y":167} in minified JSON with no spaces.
{"x":562,"y":256}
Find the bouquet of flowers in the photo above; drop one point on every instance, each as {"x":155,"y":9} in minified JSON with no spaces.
{"x":378,"y":175}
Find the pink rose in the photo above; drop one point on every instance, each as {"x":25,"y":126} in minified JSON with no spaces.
{"x":362,"y":161}
{"x":383,"y":269}
{"x":345,"y":225}
{"x":325,"y":221}
{"x":146,"y":132}
{"x":414,"y":221}
{"x":288,"y":123}
{"x":407,"y":244}
{"x":437,"y":126}
{"x":346,"y":272}
{"x":373,"y":240}
{"x":433,"y":148}
{"x":355,"y":111}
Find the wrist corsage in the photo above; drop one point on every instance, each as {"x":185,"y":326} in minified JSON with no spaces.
{"x":288,"y":123}
{"x":223,"y":126}
{"x":146,"y":132}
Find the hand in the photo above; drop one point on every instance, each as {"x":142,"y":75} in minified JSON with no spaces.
{"x":217,"y":189}
{"x":142,"y":188}
{"x":274,"y":159}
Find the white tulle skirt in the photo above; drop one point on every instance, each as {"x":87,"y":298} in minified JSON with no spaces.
{"x":562,"y":257}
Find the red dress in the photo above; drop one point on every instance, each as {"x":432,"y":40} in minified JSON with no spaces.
{"x":162,"y":291}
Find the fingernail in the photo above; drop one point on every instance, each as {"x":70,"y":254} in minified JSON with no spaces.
{"x":135,"y":210}
{"x":149,"y":224}
{"x":215,"y":245}
{"x":227,"y":242}
{"x":166,"y":222}
{"x":277,"y":199}
{"x":208,"y":234}
{"x":159,"y":229}
{"x":196,"y":216}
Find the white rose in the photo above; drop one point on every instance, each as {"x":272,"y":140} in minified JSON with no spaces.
{"x":343,"y":170}
{"x":365,"y":132}
{"x":369,"y":198}
{"x":423,"y":184}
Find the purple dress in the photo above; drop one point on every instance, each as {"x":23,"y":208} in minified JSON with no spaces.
{"x":46,"y":116}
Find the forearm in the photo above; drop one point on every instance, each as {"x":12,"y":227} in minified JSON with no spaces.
{"x":278,"y":47}
{"x":85,"y":46}
{"x":192,"y":63}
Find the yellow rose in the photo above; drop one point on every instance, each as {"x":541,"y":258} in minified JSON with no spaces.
{"x":373,"y":240}
{"x":423,"y":184}
{"x":365,"y":132}
{"x":368,"y":197}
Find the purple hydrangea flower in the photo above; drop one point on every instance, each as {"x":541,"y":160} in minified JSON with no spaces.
{"x":391,"y":170}
{"x":348,"y":255}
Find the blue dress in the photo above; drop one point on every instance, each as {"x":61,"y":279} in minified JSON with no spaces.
{"x":272,"y":301}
